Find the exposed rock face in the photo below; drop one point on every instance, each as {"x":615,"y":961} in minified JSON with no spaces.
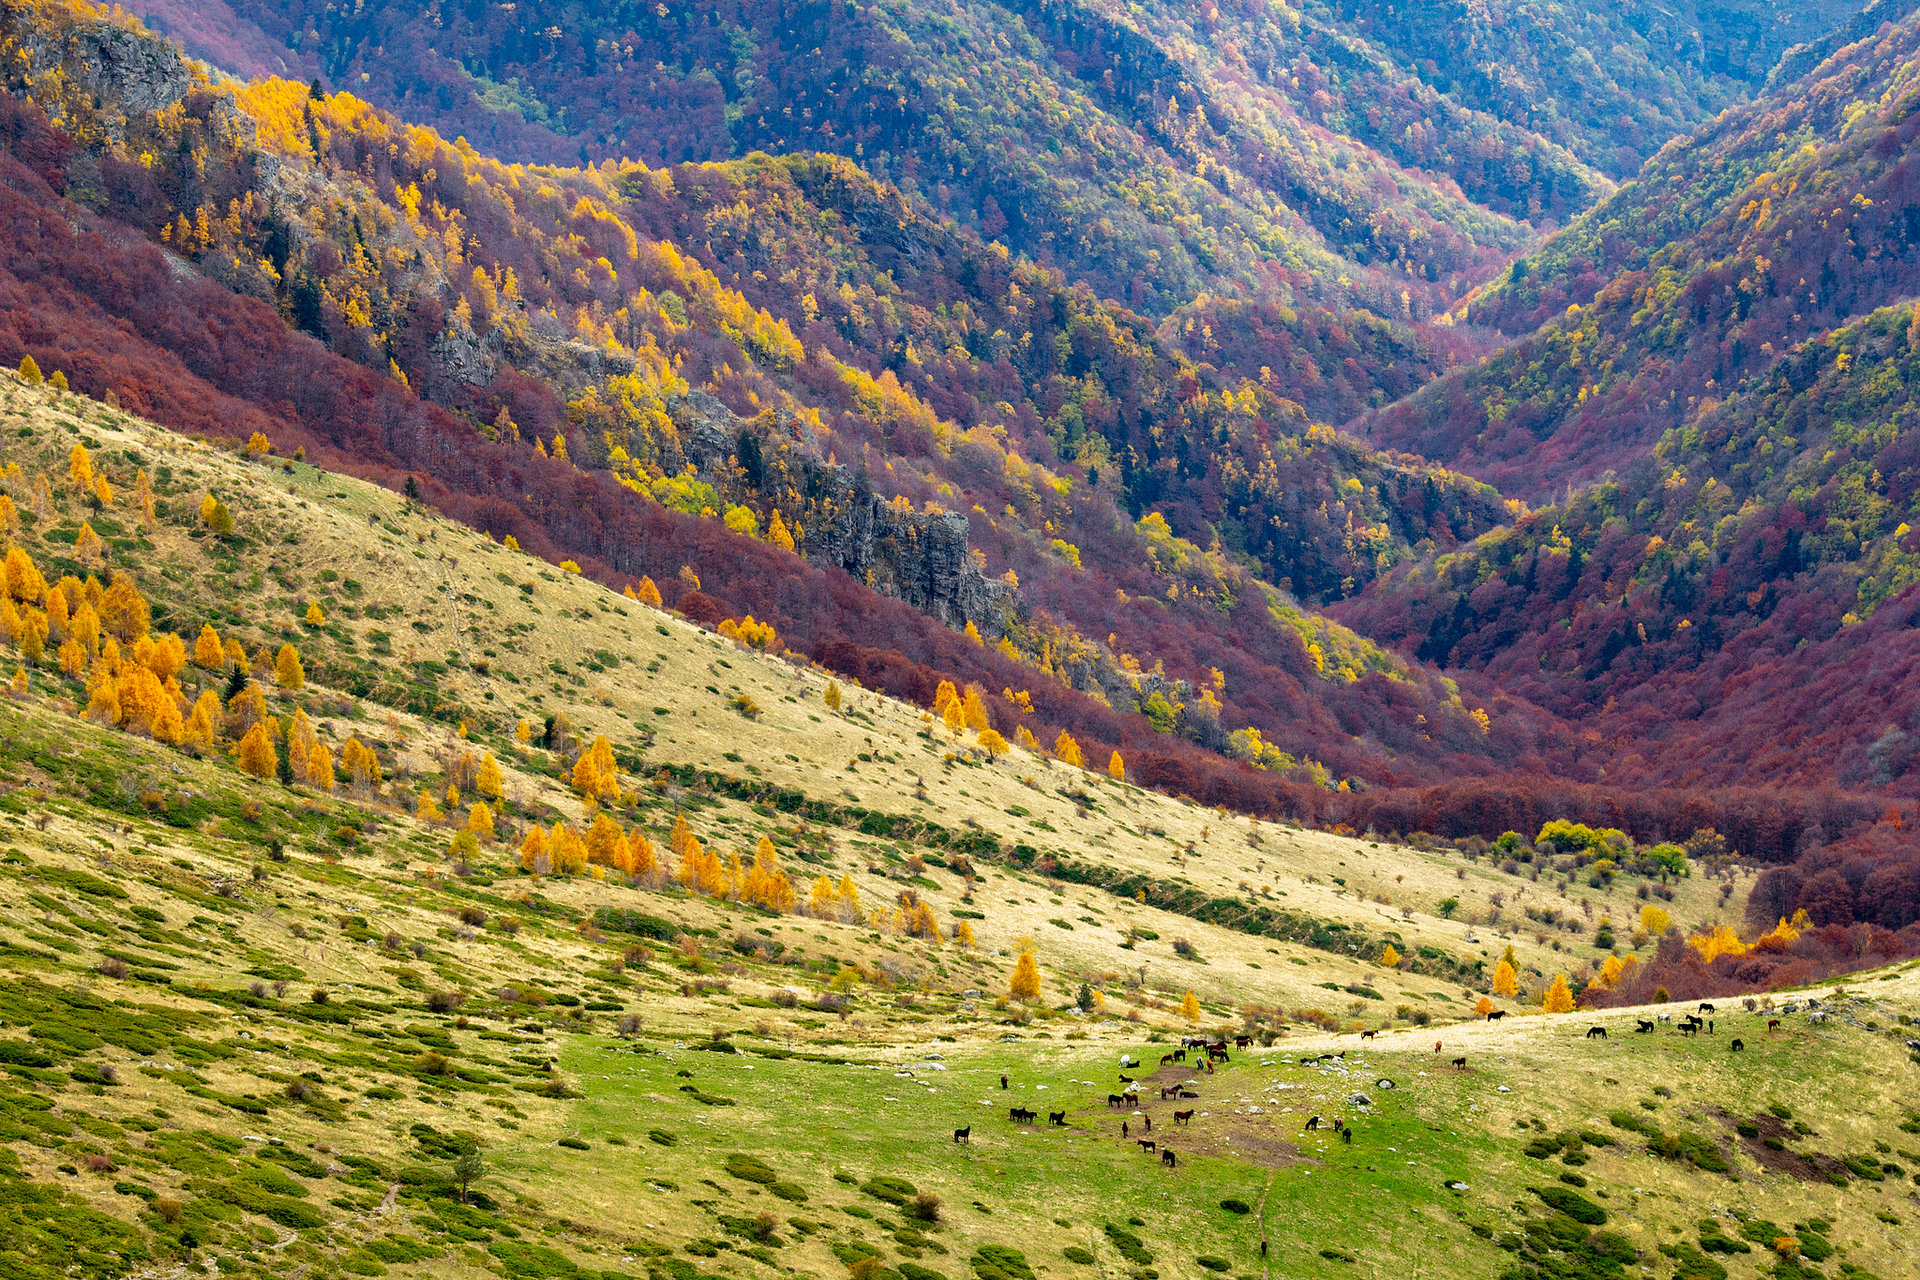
{"x":921,"y":558}
{"x":138,"y":73}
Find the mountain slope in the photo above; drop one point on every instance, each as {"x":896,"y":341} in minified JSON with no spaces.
{"x":1156,"y":152}
{"x":1737,"y":607}
{"x":259,"y":1026}
{"x":1781,"y":219}
{"x":528,"y":301}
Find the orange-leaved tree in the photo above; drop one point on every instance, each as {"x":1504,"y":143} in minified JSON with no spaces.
{"x":256,"y":752}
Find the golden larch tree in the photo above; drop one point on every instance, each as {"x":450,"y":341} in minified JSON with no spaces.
{"x":480,"y":822}
{"x":316,"y":617}
{"x":1116,"y":767}
{"x":1025,"y":983}
{"x":320,"y":768}
{"x":533,"y":850}
{"x":832,"y":696}
{"x":256,"y":752}
{"x":1505,"y":980}
{"x":1558,"y":998}
{"x":777,"y":532}
{"x":487,"y":779}
{"x":288,"y":672}
{"x":1190,"y":1006}
{"x":1068,"y":750}
{"x":1390,"y":958}
{"x":207,"y":653}
{"x":648,"y":594}
{"x":974,"y":708}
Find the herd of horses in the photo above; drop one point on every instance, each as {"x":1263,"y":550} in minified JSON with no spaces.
{"x":1129,"y":1098}
{"x":1216,"y":1051}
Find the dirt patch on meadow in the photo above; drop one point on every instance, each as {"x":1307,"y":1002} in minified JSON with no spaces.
{"x":1810,"y":1166}
{"x":1260,"y":1136}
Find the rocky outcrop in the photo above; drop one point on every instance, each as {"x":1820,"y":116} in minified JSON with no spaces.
{"x":922,"y":558}
{"x":111,"y":63}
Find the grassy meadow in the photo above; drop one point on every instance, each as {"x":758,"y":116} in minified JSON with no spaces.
{"x":261,"y":1027}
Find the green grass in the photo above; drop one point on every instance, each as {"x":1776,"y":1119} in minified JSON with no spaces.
{"x":804,"y":1119}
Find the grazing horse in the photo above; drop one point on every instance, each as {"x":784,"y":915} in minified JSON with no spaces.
{"x":963,"y":1135}
{"x":1165,"y":1058}
{"x":1738,"y":1045}
{"x":1313,"y":1124}
{"x":1057,"y":1117}
{"x":1179,"y":1055}
{"x":1130,"y":1098}
{"x":1689,"y":1028}
{"x":1596,"y":1033}
{"x":1181,"y":1117}
{"x":1642,"y":1024}
{"x":1494,"y":1015}
{"x":1166,"y":1158}
{"x":1773,"y":1025}
{"x":1116,"y":1099}
{"x":1146,"y":1144}
{"x":1346,"y":1135}
{"x":1368,"y":1035}
{"x":1020,"y":1115}
{"x":1460,"y":1063}
{"x":1705,"y":1007}
{"x":1243,"y":1042}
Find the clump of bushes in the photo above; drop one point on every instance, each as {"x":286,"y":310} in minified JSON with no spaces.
{"x":895,"y":1191}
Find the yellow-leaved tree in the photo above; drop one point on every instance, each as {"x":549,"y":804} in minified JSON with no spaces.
{"x":1505,"y":980}
{"x":594,"y":774}
{"x":1558,"y":998}
{"x":832,"y":696}
{"x":256,"y":752}
{"x":207,"y":653}
{"x":1025,"y":983}
{"x":963,"y":933}
{"x":1068,"y":750}
{"x":1655,"y":920}
{"x":1117,"y":768}
{"x":648,"y":593}
{"x":1190,"y":1006}
{"x":777,"y":532}
{"x":992,"y":743}
{"x":315,"y":616}
{"x":1390,"y":958}
{"x":288,"y":673}
{"x":973,"y":709}
{"x":487,"y":781}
